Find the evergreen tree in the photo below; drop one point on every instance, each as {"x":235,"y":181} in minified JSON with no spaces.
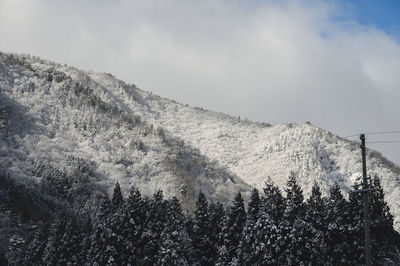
{"x":232,"y":230}
{"x":273,"y":203}
{"x":175,"y":245}
{"x":68,"y":246}
{"x":216,"y":214}
{"x":101,"y":250}
{"x":315,"y":220}
{"x":105,"y":209}
{"x":294,"y":199}
{"x":297,"y":247}
{"x":254,"y":205}
{"x":136,"y":209}
{"x":202,"y":231}
{"x":248,"y":241}
{"x":381,"y":218}
{"x":341,"y":229}
{"x":305,"y":245}
{"x":324,"y":231}
{"x":117,"y":198}
{"x":118,"y":242}
{"x":133,"y":225}
{"x":155,"y":223}
{"x":315,"y":209}
{"x":262,"y":242}
{"x":383,"y":237}
{"x":248,"y":235}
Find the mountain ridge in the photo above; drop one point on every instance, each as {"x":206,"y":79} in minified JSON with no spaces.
{"x":245,"y":152}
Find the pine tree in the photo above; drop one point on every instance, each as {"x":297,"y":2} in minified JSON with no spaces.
{"x":68,"y":247}
{"x":315,"y":220}
{"x":273,"y":203}
{"x":294,"y":199}
{"x":101,"y":250}
{"x":248,"y":241}
{"x":381,"y":218}
{"x":133,"y":225}
{"x":105,"y":209}
{"x":383,"y":236}
{"x":232,"y":230}
{"x":315,"y":209}
{"x":117,"y":198}
{"x":254,"y":205}
{"x":175,"y":245}
{"x":297,"y":232}
{"x":202,"y":231}
{"x":262,"y":242}
{"x":305,"y":244}
{"x":216,"y":217}
{"x":119,"y":243}
{"x":340,"y":229}
{"x":155,"y":223}
{"x":248,"y":236}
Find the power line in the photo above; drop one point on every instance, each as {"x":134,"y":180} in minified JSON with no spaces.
{"x":352,"y":136}
{"x":376,"y":133}
{"x":383,"y":132}
{"x":384,"y":141}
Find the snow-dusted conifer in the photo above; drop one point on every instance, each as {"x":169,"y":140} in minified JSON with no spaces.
{"x":105,"y":208}
{"x":254,"y":205}
{"x":315,"y":220}
{"x":381,"y":218}
{"x":294,"y":199}
{"x":315,"y":209}
{"x":273,"y":203}
{"x":68,"y":250}
{"x":202,"y":231}
{"x":154,"y":225}
{"x":232,"y":229}
{"x":216,"y":217}
{"x":117,"y":198}
{"x":175,"y":245}
{"x":339,"y":231}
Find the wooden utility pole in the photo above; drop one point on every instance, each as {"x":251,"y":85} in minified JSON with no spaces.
{"x":365,"y":190}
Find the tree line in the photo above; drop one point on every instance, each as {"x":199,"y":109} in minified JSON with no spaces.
{"x":274,"y":229}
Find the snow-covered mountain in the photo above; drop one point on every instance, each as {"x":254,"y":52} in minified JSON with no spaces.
{"x":70,"y":119}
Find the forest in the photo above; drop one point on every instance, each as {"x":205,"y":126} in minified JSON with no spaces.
{"x":274,"y":228}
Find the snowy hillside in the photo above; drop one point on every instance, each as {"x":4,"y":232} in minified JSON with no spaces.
{"x":51,"y":120}
{"x":254,"y":151}
{"x":60,"y":114}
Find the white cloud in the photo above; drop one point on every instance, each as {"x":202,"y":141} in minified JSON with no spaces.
{"x":276,"y":61}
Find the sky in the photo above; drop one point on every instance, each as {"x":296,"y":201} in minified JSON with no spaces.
{"x":333,"y":63}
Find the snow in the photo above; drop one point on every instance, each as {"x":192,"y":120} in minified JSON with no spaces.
{"x":251,"y":151}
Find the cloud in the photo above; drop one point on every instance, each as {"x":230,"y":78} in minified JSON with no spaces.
{"x":274,"y":61}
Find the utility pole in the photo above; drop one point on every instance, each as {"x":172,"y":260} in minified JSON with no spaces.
{"x":366,"y":189}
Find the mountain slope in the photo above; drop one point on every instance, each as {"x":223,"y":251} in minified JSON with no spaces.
{"x":52,"y":120}
{"x":135,"y":137}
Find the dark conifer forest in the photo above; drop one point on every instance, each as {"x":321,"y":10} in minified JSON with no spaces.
{"x":274,"y":228}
